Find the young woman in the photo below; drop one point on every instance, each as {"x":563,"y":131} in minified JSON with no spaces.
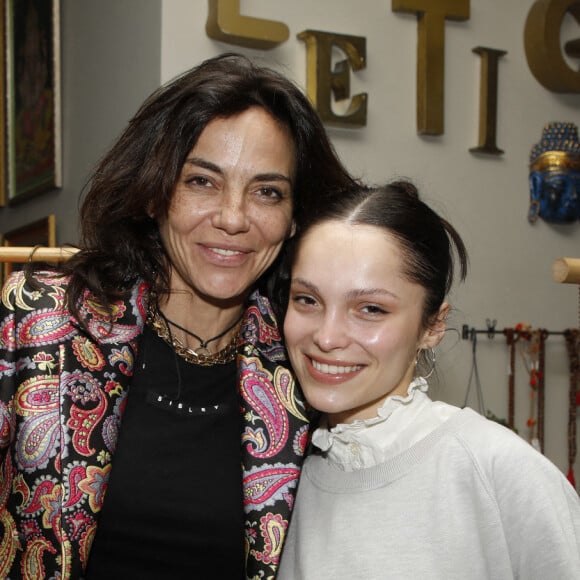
{"x":399,"y":486}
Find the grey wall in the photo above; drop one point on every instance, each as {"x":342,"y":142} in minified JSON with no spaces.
{"x":115,"y":52}
{"x":485,"y":197}
{"x":111,"y":55}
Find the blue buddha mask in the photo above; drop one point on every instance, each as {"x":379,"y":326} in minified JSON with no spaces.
{"x":555,"y":175}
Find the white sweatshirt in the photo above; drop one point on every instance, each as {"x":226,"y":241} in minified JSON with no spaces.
{"x":429,"y":491}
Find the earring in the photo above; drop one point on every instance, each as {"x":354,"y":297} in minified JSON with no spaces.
{"x":430,"y":358}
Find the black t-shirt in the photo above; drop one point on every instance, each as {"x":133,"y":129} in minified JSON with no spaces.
{"x":173,"y":508}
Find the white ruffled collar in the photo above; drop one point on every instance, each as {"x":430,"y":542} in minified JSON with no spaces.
{"x":323,"y":437}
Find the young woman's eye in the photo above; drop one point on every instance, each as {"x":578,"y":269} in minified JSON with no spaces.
{"x":374,"y":310}
{"x":303,"y":300}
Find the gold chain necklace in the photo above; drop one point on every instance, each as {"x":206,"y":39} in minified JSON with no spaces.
{"x":202,"y":348}
{"x":161,"y":326}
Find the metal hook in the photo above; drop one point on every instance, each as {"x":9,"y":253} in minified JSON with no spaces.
{"x":490,"y":327}
{"x":468,"y":333}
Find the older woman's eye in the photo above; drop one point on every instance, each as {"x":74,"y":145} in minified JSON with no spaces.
{"x":198,"y":180}
{"x":271,"y":193}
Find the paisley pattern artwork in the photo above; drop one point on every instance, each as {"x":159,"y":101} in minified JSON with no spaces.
{"x":62,"y":395}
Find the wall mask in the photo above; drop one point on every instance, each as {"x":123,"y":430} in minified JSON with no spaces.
{"x":555,"y":175}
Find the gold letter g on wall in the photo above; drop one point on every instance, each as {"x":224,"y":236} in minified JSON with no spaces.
{"x":542,"y":45}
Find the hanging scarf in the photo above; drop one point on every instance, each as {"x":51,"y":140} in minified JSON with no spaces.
{"x":541,"y":386}
{"x":571,"y":337}
{"x":511,"y":337}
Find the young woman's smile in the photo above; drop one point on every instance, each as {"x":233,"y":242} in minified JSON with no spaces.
{"x":332,"y":371}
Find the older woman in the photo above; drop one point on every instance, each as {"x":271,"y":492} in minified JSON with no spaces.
{"x":180,"y":225}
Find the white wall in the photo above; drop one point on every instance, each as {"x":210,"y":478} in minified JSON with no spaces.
{"x":485,"y":197}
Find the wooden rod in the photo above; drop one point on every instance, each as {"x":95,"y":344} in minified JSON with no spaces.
{"x":35,"y":254}
{"x":566,"y":270}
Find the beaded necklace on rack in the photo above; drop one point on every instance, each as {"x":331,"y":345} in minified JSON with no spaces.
{"x":201,"y":355}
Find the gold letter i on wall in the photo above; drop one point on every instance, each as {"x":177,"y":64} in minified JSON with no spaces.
{"x":225,"y":23}
{"x":431,"y":16}
{"x":488,"y":101}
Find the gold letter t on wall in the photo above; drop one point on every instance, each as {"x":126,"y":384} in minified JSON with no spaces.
{"x":431,"y":56}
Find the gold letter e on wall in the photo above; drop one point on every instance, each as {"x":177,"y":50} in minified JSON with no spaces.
{"x":324,"y":82}
{"x":225,"y":23}
{"x":542,"y":44}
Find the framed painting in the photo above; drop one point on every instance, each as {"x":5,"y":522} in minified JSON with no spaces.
{"x":32,"y":92}
{"x":3,"y":107}
{"x":39,"y":233}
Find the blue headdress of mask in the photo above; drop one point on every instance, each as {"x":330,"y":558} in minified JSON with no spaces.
{"x":555,"y":175}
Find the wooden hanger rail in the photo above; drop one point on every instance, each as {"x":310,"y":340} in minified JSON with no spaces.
{"x":566,"y":270}
{"x":36,"y":254}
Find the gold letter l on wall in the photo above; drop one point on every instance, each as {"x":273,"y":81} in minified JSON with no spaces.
{"x":225,"y":23}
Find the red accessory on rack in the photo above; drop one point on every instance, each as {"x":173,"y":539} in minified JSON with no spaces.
{"x":571,"y":337}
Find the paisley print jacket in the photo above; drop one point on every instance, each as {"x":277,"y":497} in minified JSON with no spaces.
{"x":62,"y":394}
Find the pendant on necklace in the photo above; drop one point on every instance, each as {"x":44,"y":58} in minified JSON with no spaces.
{"x":202,"y":351}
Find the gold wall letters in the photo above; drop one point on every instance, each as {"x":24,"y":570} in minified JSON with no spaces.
{"x":488,"y":101}
{"x":322,"y":83}
{"x":327,"y":84}
{"x":431,"y":56}
{"x":542,"y":45}
{"x":225,"y":23}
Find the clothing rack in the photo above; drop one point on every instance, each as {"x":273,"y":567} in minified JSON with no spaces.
{"x":468,"y":333}
{"x":566,"y":271}
{"x":536,"y":370}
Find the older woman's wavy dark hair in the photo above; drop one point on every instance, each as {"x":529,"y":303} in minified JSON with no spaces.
{"x":132,"y":187}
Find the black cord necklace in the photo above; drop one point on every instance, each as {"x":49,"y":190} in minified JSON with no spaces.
{"x":202,"y":348}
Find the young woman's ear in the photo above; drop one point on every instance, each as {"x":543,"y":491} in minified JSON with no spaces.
{"x":292,"y":229}
{"x":434,"y":334}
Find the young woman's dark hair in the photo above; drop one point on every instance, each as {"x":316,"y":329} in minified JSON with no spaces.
{"x":131,"y":188}
{"x":428,"y":240}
